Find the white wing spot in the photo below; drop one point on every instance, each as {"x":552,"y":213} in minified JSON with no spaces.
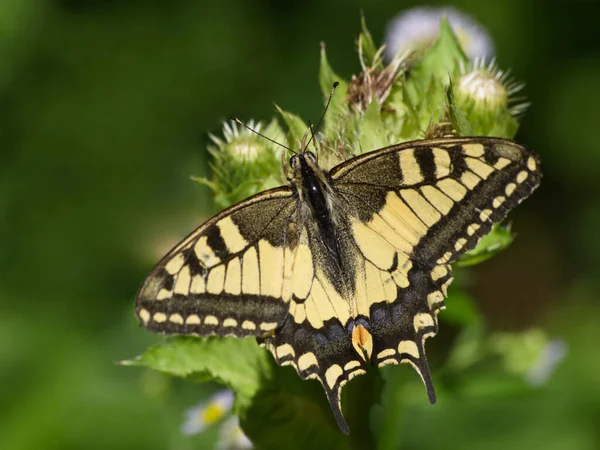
{"x":410,"y":347}
{"x":472,"y":229}
{"x":144,"y":315}
{"x":422,"y":320}
{"x":229,"y":322}
{"x":176,"y":318}
{"x":434,"y":298}
{"x":510,"y":188}
{"x":522,"y":176}
{"x":351,"y":365}
{"x":385,"y":353}
{"x":332,"y":375}
{"x":460,"y":244}
{"x":268,"y":326}
{"x":484,"y":216}
{"x":159,"y":317}
{"x":307,"y":360}
{"x":498,"y":201}
{"x":285,"y":350}
{"x":247,"y":325}
{"x":192,"y":320}
{"x":439,"y":272}
{"x":211,"y":320}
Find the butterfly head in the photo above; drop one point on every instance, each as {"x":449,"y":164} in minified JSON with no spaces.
{"x":304,"y":166}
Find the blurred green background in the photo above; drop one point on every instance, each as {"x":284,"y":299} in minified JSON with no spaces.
{"x":105,"y":108}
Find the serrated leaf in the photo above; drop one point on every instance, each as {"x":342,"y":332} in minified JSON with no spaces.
{"x":372,"y":132}
{"x":239,"y":364}
{"x":491,"y":244}
{"x":337,"y":108}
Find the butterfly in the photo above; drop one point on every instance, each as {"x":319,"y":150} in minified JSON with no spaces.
{"x":342,"y":268}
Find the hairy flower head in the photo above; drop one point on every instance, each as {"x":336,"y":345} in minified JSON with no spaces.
{"x":487,"y":89}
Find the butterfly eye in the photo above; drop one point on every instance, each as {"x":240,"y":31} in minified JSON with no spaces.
{"x":311,"y":156}
{"x":294,"y":162}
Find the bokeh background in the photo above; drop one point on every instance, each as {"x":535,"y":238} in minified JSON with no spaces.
{"x":105,"y":109}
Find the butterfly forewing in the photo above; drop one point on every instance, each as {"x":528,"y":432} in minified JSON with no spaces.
{"x":441,"y":195}
{"x":228,"y":277}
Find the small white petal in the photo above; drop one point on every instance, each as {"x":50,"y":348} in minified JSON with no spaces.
{"x":207,"y":413}
{"x":232,"y":437}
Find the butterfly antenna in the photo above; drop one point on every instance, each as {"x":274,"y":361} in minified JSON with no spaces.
{"x":314,"y":141}
{"x":235,"y":119}
{"x":336,"y":84}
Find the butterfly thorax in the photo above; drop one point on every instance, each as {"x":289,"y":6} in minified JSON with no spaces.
{"x":315,"y":197}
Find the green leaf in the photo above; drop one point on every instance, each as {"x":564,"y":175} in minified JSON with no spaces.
{"x":505,"y":126}
{"x":457,"y":117}
{"x":519,"y":351}
{"x":294,"y":409}
{"x":461,"y":309}
{"x":491,"y":244}
{"x":467,"y":349}
{"x":429,"y":78}
{"x":297,"y":129}
{"x":442,"y":59}
{"x":337,"y":108}
{"x":367,"y":50}
{"x":372,"y":132}
{"x":297,"y":412}
{"x":239,"y":364}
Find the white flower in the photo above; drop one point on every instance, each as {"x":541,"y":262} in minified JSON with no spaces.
{"x":231,"y":436}
{"x":207,"y":413}
{"x":240,"y":142}
{"x":551,"y":355}
{"x":418,"y":28}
